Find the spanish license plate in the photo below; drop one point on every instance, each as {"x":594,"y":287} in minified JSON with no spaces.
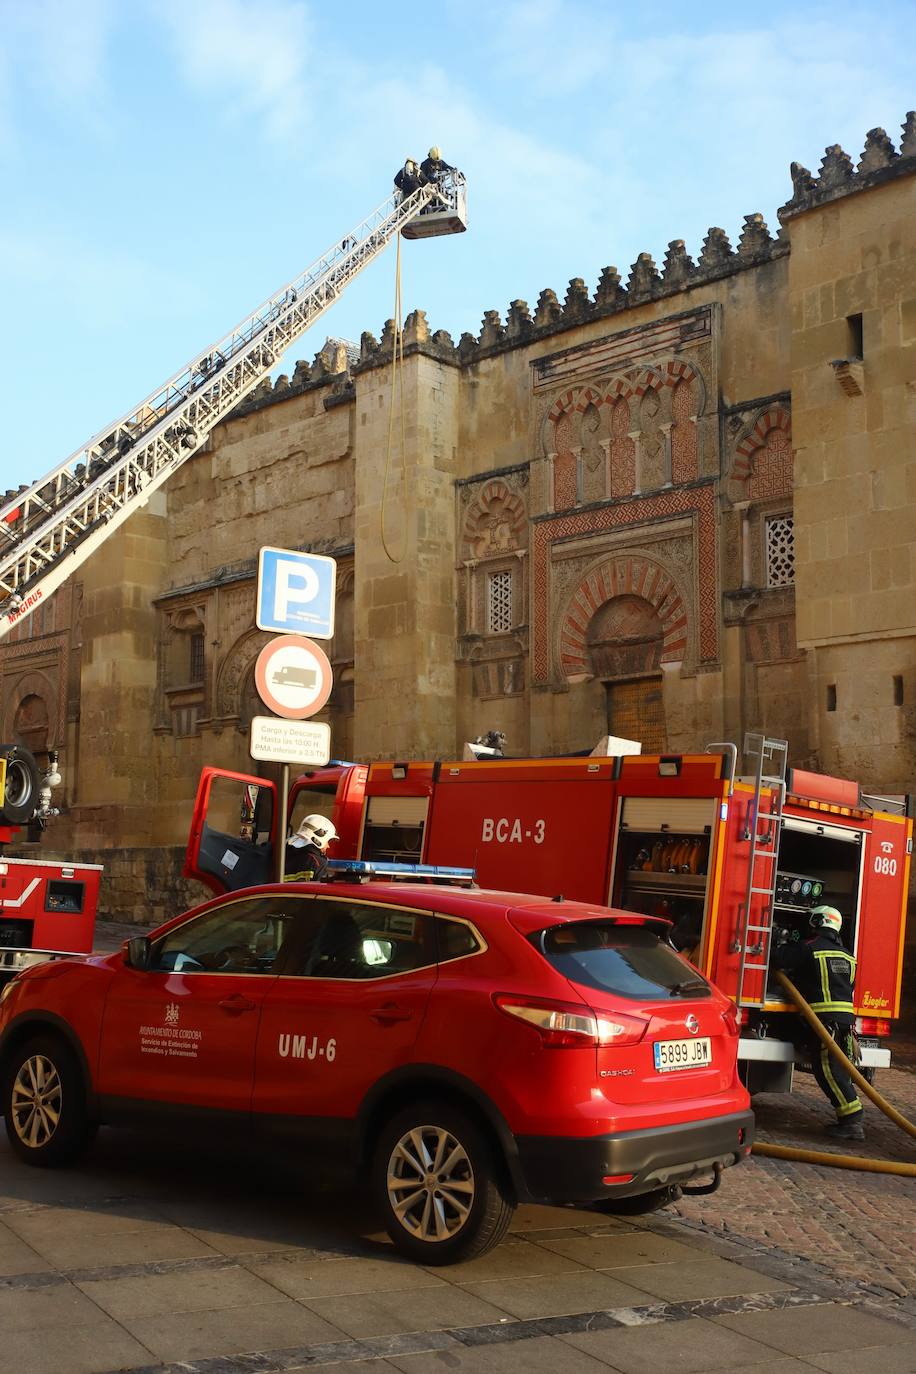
{"x":682,"y":1054}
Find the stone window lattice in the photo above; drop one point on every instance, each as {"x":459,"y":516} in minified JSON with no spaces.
{"x":499,"y":601}
{"x":780,"y":551}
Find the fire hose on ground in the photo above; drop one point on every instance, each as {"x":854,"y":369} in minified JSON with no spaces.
{"x":872,"y":1166}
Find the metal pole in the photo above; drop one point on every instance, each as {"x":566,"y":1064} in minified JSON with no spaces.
{"x":281,"y":828}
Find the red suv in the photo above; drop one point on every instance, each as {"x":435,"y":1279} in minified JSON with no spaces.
{"x":464,"y":1049}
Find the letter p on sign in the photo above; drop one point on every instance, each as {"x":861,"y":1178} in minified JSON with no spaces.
{"x":296,"y":593}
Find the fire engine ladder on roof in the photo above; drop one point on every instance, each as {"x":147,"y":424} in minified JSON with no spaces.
{"x":753,"y":935}
{"x":48,"y":529}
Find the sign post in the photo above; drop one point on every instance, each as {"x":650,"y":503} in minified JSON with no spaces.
{"x":293,"y":675}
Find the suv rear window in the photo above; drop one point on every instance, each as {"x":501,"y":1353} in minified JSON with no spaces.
{"x":629,"y":961}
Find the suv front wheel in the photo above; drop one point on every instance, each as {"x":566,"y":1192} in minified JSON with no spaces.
{"x":438,"y":1185}
{"x":44,"y":1102}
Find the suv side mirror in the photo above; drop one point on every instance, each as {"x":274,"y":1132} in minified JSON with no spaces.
{"x":138,"y":952}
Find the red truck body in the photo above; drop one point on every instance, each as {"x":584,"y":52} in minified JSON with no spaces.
{"x":665,"y":835}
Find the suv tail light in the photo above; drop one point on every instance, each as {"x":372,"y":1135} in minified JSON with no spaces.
{"x":565,"y":1025}
{"x":733,"y":1017}
{"x":872,"y":1025}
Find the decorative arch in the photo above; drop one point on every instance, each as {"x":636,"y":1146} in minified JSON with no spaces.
{"x":234,"y":671}
{"x":32,"y":685}
{"x":762,"y":466}
{"x":628,"y":575}
{"x":495,"y":521}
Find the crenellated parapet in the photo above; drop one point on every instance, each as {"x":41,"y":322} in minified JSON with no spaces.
{"x":336,"y":365}
{"x":837,"y":177}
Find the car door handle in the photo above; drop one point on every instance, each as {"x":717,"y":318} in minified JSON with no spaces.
{"x":236,"y":1004}
{"x":388,"y":1014}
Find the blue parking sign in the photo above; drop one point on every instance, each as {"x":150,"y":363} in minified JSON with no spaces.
{"x":296,"y":592}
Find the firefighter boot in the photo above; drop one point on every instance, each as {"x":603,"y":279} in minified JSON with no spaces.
{"x":847,"y":1128}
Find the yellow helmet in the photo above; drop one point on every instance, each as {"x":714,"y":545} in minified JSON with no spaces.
{"x":435,"y":153}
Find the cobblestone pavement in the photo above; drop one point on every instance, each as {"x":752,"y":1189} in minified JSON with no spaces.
{"x":862,"y":1226}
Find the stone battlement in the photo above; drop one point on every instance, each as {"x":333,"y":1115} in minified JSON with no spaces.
{"x":838,"y":176}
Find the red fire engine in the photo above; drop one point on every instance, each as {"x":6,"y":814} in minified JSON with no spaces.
{"x":46,"y":908}
{"x":735,"y":863}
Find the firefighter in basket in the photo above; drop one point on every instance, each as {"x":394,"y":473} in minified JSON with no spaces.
{"x":824,"y":972}
{"x":306,"y":860}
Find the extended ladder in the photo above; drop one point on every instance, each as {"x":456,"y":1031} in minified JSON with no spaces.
{"x":48,"y":529}
{"x":754,"y":930}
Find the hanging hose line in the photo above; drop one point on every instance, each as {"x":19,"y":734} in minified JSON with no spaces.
{"x":873,"y":1166}
{"x":397,"y":378}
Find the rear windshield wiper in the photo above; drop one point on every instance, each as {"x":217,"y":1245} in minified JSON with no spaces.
{"x":692,"y":985}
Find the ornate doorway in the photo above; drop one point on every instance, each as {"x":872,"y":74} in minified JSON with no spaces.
{"x":625,"y":640}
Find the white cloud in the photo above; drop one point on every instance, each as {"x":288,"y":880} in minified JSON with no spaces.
{"x":252,"y":55}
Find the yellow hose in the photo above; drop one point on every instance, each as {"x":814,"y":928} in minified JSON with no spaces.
{"x":869,"y":1166}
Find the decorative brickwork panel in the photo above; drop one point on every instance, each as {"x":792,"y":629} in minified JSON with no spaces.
{"x":594,"y":456}
{"x":780,"y":551}
{"x":762,"y":465}
{"x":564,"y":468}
{"x":623,"y":451}
{"x":684,"y":433}
{"x":697,"y":502}
{"x":771,"y":475}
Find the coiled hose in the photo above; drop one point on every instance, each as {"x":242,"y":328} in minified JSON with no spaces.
{"x":870,"y":1166}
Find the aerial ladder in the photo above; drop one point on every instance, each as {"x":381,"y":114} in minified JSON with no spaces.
{"x":49,"y":529}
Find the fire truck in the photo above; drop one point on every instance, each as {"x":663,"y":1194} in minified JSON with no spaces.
{"x":48,"y":529}
{"x":46,"y":908}
{"x":734,"y":861}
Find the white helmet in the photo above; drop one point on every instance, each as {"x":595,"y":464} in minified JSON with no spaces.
{"x":316,"y":830}
{"x":826,"y":918}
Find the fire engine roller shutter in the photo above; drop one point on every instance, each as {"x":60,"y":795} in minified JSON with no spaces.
{"x":830,"y":832}
{"x":679,"y":815}
{"x":396,"y":810}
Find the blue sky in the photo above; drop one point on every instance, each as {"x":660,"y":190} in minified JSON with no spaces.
{"x":169,"y":163}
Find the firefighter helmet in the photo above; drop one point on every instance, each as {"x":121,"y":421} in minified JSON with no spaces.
{"x":826,"y":918}
{"x":435,"y":153}
{"x":316,"y":830}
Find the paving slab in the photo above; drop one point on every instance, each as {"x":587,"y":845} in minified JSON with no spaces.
{"x":818,"y":1330}
{"x":692,"y":1346}
{"x":308,"y":1279}
{"x":416,"y":1309}
{"x":152,"y":1295}
{"x":540,"y":1355}
{"x":182,"y":1336}
{"x":582,"y":1291}
{"x":701,"y":1278}
{"x":515,"y":1258}
{"x":39,"y":1309}
{"x":95,"y":1349}
{"x":613,"y":1251}
{"x":889,"y":1359}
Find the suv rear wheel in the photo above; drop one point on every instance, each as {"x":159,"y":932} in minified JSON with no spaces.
{"x":44,"y":1102}
{"x":438,"y":1185}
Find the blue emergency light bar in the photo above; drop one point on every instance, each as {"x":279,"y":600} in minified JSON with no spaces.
{"x":362,"y":870}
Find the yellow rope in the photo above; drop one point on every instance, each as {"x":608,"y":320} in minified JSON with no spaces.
{"x":397,"y":376}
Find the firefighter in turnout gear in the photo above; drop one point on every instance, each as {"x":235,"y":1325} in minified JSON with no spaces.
{"x":305,"y":852}
{"x":824,"y":973}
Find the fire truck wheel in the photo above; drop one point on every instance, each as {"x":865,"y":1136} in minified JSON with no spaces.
{"x":20,"y":795}
{"x":637,"y":1206}
{"x":44,"y":1102}
{"x":438,"y":1185}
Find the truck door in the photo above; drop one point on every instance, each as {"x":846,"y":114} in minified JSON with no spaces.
{"x":233,"y":836}
{"x":882,"y":916}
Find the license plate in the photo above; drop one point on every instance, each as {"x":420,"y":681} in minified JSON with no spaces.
{"x":682,"y":1054}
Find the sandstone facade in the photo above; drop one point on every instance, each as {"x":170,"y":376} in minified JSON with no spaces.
{"x":678,"y":508}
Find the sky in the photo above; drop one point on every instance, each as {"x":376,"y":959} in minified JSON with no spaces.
{"x":168,"y":164}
